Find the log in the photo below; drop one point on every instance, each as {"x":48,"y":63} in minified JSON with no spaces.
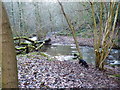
{"x":20,"y":50}
{"x":45,"y":42}
{"x":33,"y":45}
{"x":25,"y":38}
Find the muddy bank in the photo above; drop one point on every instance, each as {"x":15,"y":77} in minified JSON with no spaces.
{"x":70,"y":40}
{"x":33,"y":70}
{"x":81,"y":41}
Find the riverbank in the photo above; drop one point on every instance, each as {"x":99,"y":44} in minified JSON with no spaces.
{"x":81,"y":41}
{"x":34,"y":70}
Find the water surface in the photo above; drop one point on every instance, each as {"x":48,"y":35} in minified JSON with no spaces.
{"x":65,"y":52}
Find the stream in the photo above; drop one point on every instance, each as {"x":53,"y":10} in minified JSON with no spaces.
{"x":65,"y":52}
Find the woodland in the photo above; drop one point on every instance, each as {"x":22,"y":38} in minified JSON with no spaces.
{"x":60,"y":45}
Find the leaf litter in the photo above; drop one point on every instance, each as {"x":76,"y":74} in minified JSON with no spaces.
{"x":36,"y":72}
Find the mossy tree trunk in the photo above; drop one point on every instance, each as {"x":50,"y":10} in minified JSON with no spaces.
{"x":9,"y":62}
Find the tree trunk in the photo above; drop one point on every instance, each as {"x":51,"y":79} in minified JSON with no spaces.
{"x":0,"y":43}
{"x":104,"y":37}
{"x":9,"y":62}
{"x":72,"y":29}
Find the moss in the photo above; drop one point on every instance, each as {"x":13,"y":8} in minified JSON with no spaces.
{"x":21,"y":55}
{"x":115,"y":75}
{"x":34,"y":53}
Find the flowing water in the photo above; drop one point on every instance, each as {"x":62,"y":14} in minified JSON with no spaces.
{"x":65,"y":52}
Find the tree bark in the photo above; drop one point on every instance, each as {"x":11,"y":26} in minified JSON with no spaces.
{"x":0,"y":43}
{"x":72,"y":29}
{"x":9,"y":62}
{"x":104,"y":37}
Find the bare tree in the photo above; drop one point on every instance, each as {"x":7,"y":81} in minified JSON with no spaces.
{"x":104,"y":37}
{"x":13,"y":19}
{"x":72,"y":29}
{"x":40,"y":33}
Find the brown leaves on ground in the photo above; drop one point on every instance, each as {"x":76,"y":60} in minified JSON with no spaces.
{"x":70,"y":40}
{"x":36,"y":72}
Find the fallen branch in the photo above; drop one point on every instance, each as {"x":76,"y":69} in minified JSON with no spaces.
{"x":30,"y":47}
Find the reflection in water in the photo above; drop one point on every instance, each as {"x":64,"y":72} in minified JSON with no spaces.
{"x":65,"y":52}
